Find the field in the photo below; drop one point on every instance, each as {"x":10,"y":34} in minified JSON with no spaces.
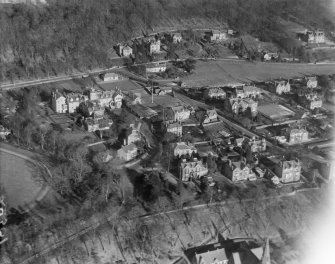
{"x":222,"y":72}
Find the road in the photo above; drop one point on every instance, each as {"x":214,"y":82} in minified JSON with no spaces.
{"x":22,"y":84}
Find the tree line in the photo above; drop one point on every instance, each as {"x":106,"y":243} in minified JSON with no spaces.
{"x":63,"y":36}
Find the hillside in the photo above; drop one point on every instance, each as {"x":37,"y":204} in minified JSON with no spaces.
{"x":37,"y":41}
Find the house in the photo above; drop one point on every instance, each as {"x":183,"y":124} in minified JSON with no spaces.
{"x":206,"y":116}
{"x":58,"y":102}
{"x":250,"y":91}
{"x":216,"y":35}
{"x":287,"y":170}
{"x":312,"y":37}
{"x":238,"y":106}
{"x":215,"y":93}
{"x":4,"y":132}
{"x":156,"y":67}
{"x":73,"y":100}
{"x":182,"y":148}
{"x":268,"y":56}
{"x":179,"y":113}
{"x":127,"y":152}
{"x":175,"y":128}
{"x":176,"y":38}
{"x":238,"y":171}
{"x":297,"y":136}
{"x":280,"y":87}
{"x":94,"y":109}
{"x":230,"y":251}
{"x":194,"y":169}
{"x":3,"y":215}
{"x":125,"y":50}
{"x":154,"y":46}
{"x":310,"y":82}
{"x":133,"y":98}
{"x":111,"y":76}
{"x":255,"y":144}
{"x":310,"y":100}
{"x":111,"y":99}
{"x":133,"y":134}
{"x":251,"y":104}
{"x":92,"y":125}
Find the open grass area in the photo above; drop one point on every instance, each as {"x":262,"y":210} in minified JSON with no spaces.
{"x":221,"y":73}
{"x":16,"y":176}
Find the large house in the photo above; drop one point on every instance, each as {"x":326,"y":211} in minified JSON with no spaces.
{"x":280,"y":87}
{"x":216,"y":35}
{"x":297,"y":136}
{"x":3,"y":220}
{"x":175,"y":128}
{"x":58,"y":102}
{"x":68,"y":103}
{"x":179,"y":113}
{"x":111,"y":76}
{"x":310,"y":100}
{"x":125,"y":50}
{"x":207,"y":116}
{"x":182,"y":148}
{"x":310,"y":82}
{"x":156,"y":67}
{"x":230,"y":251}
{"x":100,"y":124}
{"x":215,"y":93}
{"x":194,"y":169}
{"x":4,"y":132}
{"x":287,"y":170}
{"x":127,"y":152}
{"x":111,"y":99}
{"x":255,"y":144}
{"x":133,"y":134}
{"x":237,"y":105}
{"x":246,"y":91}
{"x":133,"y":98}
{"x":315,"y":37}
{"x":154,"y":46}
{"x":176,"y":38}
{"x":238,"y":171}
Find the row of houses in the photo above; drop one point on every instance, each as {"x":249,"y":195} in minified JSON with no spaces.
{"x":69,"y":103}
{"x":152,"y":43}
{"x":312,"y":37}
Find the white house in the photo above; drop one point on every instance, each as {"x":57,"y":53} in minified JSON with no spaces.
{"x":156,"y":67}
{"x":58,"y":103}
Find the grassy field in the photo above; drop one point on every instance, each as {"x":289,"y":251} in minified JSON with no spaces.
{"x":220,"y":73}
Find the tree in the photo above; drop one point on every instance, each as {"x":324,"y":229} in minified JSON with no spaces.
{"x":83,"y":110}
{"x":169,"y":137}
{"x":189,"y":65}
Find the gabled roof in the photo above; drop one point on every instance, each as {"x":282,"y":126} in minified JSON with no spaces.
{"x":212,"y":256}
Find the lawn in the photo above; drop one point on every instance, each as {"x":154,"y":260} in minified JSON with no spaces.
{"x":16,"y":175}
